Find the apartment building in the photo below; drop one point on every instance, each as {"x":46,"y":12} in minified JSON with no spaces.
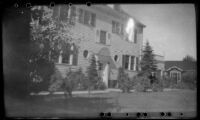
{"x":113,"y":36}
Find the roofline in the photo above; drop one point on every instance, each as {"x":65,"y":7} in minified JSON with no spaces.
{"x":174,"y":67}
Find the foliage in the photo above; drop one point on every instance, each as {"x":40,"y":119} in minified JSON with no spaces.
{"x":49,"y":38}
{"x":101,"y":85}
{"x":148,"y":62}
{"x":148,"y":65}
{"x":166,"y":81}
{"x":188,"y":58}
{"x":92,"y":74}
{"x":189,"y":77}
{"x":141,"y":83}
{"x":74,"y":80}
{"x":157,"y":87}
{"x":56,"y":81}
{"x":125,"y":83}
{"x":188,"y":81}
{"x":140,"y":88}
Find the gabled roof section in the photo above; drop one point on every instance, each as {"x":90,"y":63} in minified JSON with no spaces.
{"x":181,"y":65}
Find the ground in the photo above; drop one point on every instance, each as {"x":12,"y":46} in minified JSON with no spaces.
{"x":59,"y":106}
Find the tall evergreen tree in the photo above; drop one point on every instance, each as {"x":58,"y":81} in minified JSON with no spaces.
{"x":148,"y":62}
{"x":92,"y":73}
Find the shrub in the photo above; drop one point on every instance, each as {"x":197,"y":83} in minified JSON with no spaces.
{"x":142,"y":83}
{"x":125,"y":83}
{"x":101,"y":85}
{"x":188,"y":81}
{"x":166,"y":82}
{"x":139,"y":87}
{"x":74,"y":80}
{"x":183,"y":85}
{"x":56,"y":81}
{"x":157,"y":87}
{"x":189,"y":78}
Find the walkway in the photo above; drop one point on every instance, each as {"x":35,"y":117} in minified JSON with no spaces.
{"x":93,"y":92}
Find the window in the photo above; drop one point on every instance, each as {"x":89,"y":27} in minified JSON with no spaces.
{"x":85,"y":53}
{"x":126,"y":62}
{"x":132,"y":62}
{"x":116,"y":58}
{"x":135,"y":35}
{"x":100,"y":66}
{"x":137,"y":63}
{"x":93,"y":19}
{"x":70,"y":56}
{"x":87,"y":17}
{"x":72,"y":16}
{"x":129,"y":62}
{"x":81,"y":16}
{"x":67,"y":14}
{"x":103,"y":37}
{"x":117,"y":27}
{"x":175,"y":75}
{"x":63,"y":11}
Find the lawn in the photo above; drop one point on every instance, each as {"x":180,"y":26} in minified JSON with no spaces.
{"x":59,"y":106}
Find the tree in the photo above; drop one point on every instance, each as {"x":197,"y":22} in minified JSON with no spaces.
{"x":50,"y":36}
{"x":124,"y":81}
{"x":148,"y":63}
{"x":92,"y":74}
{"x":188,"y":58}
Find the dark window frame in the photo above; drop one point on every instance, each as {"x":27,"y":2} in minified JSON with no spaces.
{"x":102,"y":37}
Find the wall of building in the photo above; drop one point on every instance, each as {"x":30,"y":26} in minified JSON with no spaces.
{"x":89,"y":41}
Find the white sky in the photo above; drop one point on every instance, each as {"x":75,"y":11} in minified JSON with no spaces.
{"x":170,"y":28}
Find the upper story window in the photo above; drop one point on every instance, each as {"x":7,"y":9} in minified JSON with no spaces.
{"x":117,"y":27}
{"x":87,"y":17}
{"x":66,"y":13}
{"x":103,"y":37}
{"x":135,"y":36}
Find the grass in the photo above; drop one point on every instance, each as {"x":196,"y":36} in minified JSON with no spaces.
{"x":59,"y":106}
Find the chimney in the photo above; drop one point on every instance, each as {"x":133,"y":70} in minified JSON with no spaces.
{"x":117,"y":7}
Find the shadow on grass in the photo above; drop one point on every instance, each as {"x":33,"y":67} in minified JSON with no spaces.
{"x":57,"y":106}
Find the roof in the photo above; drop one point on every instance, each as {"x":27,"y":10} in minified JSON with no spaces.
{"x":184,"y":65}
{"x":116,"y":13}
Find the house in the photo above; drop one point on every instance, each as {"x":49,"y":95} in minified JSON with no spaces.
{"x":175,"y":69}
{"x":113,"y":36}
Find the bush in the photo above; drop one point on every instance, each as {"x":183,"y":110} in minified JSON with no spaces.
{"x":157,"y":87}
{"x":125,"y":83}
{"x":183,"y":85}
{"x":142,"y":83}
{"x":189,"y":78}
{"x":101,"y":85}
{"x":56,"y":81}
{"x":139,"y":88}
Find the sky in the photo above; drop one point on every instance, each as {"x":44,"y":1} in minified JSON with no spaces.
{"x":170,"y":28}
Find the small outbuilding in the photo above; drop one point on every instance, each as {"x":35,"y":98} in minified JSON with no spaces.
{"x":175,"y":69}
